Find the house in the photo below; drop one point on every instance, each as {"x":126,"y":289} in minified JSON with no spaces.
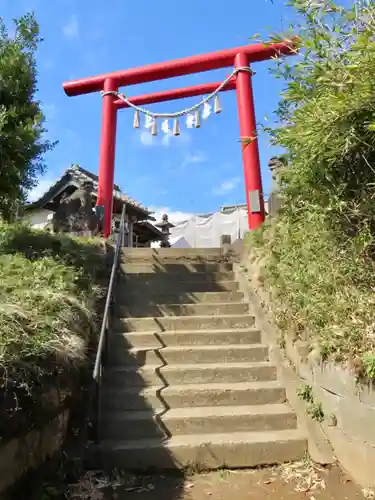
{"x":40,"y":213}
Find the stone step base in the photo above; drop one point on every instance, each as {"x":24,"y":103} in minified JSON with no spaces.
{"x":161,"y":278}
{"x":182,"y":268}
{"x":140,"y":356}
{"x":192,"y":395}
{"x":125,"y":296}
{"x":171,"y":252}
{"x":213,"y":373}
{"x":155,"y":311}
{"x":187,"y":287}
{"x":201,"y":452}
{"x":201,"y":420}
{"x":158,"y":340}
{"x":174,"y":323}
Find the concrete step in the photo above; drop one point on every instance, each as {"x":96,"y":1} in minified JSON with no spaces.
{"x":162,"y":278}
{"x":180,"y":256}
{"x":140,"y":356}
{"x":178,"y":287}
{"x":182,"y":268}
{"x":201,"y":420}
{"x":153,"y":340}
{"x":174,"y":323}
{"x":170,"y":252}
{"x":176,"y":260}
{"x":219,"y":373}
{"x":192,"y":395}
{"x":201,"y":452}
{"x":123,"y":296}
{"x":141,"y":311}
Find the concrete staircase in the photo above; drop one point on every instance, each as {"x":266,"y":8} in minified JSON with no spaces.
{"x":189,"y":382}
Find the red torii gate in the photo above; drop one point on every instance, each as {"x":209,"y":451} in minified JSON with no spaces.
{"x":239,"y":57}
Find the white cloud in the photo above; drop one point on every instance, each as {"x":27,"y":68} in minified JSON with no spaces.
{"x":174,"y":216}
{"x":183,"y":138}
{"x":71,"y":28}
{"x":226,"y":186}
{"x":72,"y":138}
{"x":189,"y":159}
{"x":146,"y":138}
{"x":193,"y":158}
{"x":165,"y":140}
{"x":39,"y":190}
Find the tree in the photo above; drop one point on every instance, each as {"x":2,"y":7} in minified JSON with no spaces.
{"x":21,"y":119}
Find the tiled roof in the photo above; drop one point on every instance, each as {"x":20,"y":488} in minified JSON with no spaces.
{"x":81,"y":175}
{"x":150,"y":226}
{"x":78,"y":174}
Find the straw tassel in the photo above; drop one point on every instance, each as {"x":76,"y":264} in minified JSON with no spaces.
{"x":197,"y":118}
{"x":217,"y":105}
{"x":136,"y":122}
{"x":176,"y":127}
{"x":154,"y":128}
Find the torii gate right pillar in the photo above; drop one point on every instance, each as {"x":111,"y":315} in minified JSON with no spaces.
{"x":250,"y":154}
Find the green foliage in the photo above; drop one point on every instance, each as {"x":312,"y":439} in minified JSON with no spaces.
{"x":314,"y":409}
{"x":45,"y":295}
{"x":49,"y":287}
{"x":369,"y":365}
{"x":316,"y":412}
{"x":21,"y":119}
{"x":327,"y":118}
{"x":48,"y":284}
{"x":322,"y":289}
{"x":305,"y":393}
{"x":319,"y":251}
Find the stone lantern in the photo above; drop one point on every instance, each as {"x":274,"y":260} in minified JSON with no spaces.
{"x":275,"y":199}
{"x":165,"y":226}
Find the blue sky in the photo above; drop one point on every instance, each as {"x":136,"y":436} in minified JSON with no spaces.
{"x":196,"y":172}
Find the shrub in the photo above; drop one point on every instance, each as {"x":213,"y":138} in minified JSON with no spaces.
{"x":320,"y":249}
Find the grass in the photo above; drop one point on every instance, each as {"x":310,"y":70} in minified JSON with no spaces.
{"x":50,"y":286}
{"x":314,"y":409}
{"x":321,"y":288}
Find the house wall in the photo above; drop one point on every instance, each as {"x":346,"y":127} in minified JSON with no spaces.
{"x":39,"y":218}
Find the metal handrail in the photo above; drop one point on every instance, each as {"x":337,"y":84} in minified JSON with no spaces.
{"x":101,"y":352}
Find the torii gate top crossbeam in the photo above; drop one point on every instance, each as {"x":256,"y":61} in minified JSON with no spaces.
{"x":178,"y":67}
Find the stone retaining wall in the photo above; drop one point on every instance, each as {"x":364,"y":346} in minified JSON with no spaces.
{"x":31,"y":449}
{"x":347,"y":432}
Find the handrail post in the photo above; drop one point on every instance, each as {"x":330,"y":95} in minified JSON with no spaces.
{"x":122,"y":227}
{"x":103,"y":344}
{"x":98,"y":408}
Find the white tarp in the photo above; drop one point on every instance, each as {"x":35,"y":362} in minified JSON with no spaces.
{"x":179,"y":242}
{"x":204,"y":231}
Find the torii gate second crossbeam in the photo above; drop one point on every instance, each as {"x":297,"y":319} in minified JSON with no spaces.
{"x":240,"y":58}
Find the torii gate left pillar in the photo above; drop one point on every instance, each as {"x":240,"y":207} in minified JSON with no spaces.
{"x":239,"y":57}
